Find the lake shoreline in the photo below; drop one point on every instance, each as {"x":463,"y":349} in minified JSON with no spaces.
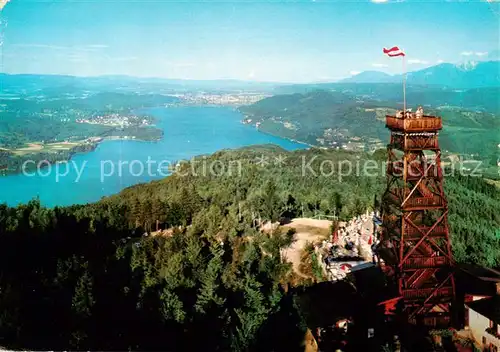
{"x":188,"y":132}
{"x":288,"y":139}
{"x":278,"y":136}
{"x":76,"y":150}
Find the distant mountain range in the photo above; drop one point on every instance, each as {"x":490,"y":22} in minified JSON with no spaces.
{"x":26,"y":83}
{"x":371,"y":77}
{"x":468,"y":75}
{"x":460,"y":76}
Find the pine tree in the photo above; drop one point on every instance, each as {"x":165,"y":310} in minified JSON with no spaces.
{"x":171,"y":306}
{"x":147,"y":214}
{"x":136,"y":211}
{"x":83,"y":300}
{"x":207,"y":294}
{"x":271,"y":201}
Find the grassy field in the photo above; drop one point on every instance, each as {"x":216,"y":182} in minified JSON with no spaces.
{"x":46,"y":148}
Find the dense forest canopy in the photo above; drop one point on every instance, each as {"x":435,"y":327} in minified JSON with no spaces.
{"x":96,"y":277}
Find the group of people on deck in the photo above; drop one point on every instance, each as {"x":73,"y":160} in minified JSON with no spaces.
{"x":408,"y":114}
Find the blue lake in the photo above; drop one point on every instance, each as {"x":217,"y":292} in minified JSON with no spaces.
{"x":114,"y":165}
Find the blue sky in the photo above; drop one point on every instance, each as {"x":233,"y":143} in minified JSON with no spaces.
{"x":251,"y":40}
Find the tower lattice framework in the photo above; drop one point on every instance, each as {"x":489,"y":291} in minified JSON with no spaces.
{"x":415,"y":243}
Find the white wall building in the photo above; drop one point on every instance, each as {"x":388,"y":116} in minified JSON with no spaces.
{"x":483,"y":317}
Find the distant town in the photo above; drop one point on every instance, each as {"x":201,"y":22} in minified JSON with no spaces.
{"x":223,"y":99}
{"x":116,"y":120}
{"x":337,"y":138}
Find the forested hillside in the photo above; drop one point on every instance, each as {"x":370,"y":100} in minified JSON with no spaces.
{"x":474,"y":99}
{"x":353,"y":116}
{"x":87,"y":277}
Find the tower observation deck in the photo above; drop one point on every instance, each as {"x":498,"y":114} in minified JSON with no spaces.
{"x":415,"y":244}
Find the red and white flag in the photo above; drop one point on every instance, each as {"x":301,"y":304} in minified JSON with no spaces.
{"x":394,"y":51}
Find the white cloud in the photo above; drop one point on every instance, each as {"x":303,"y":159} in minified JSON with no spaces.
{"x":124,"y":58}
{"x":440,"y":61}
{"x":417,"y":61}
{"x":326,"y":78}
{"x":97,"y":46}
{"x":378,"y":1}
{"x":179,"y":64}
{"x":251,"y":74}
{"x":40,"y":46}
{"x":472,"y":53}
{"x":3,"y":3}
{"x":379,"y":65}
{"x":354,"y":73}
{"x":78,"y":59}
{"x":90,"y":47}
{"x":184,"y":64}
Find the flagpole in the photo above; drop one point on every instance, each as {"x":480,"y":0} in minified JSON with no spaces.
{"x":392,"y":52}
{"x":404,"y":86}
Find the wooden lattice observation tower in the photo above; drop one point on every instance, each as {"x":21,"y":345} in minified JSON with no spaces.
{"x":415,"y":244}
